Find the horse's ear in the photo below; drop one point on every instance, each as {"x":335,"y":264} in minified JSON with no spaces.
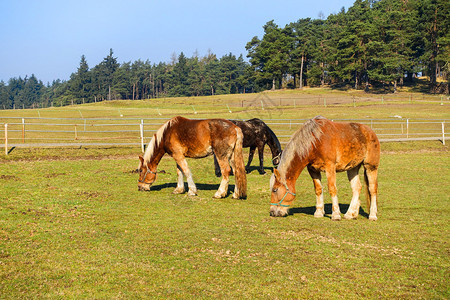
{"x":141,"y":159}
{"x":277,"y":174}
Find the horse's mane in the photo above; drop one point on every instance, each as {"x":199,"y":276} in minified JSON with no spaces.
{"x":156,"y":139}
{"x":301,"y":142}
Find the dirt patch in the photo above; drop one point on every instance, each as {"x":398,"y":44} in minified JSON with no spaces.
{"x":53,"y":175}
{"x":8,"y":177}
{"x":90,"y":195}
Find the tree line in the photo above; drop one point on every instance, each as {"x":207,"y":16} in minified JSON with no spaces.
{"x":386,"y":42}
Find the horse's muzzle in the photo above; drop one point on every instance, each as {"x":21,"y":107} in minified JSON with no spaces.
{"x":142,"y":187}
{"x":278,"y":211}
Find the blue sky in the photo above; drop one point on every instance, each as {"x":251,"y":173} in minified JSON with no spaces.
{"x":48,"y":37}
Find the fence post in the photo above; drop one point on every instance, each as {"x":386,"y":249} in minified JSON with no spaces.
{"x":407,"y":128}
{"x":262,"y":105}
{"x":142,"y":135}
{"x":324,"y":101}
{"x":443,"y":133}
{"x":6,"y":138}
{"x":23,"y":130}
{"x":76,"y":136}
{"x":354,"y":102}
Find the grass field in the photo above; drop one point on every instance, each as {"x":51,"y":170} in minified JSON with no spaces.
{"x":73,"y":225}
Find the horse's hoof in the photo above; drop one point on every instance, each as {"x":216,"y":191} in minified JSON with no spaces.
{"x":262,"y":172}
{"x":336,"y":217}
{"x":373,"y":218}
{"x":192,"y":193}
{"x":178,"y":191}
{"x":350,"y":217}
{"x":218,"y":196}
{"x":318,"y":214}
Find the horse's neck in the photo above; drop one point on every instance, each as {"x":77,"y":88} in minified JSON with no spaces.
{"x":294,"y":168}
{"x":158,"y":153}
{"x":273,"y":143}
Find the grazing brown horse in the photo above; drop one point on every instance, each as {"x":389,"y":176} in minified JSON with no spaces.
{"x":181,"y":138}
{"x":256,"y":135}
{"x":325,"y":146}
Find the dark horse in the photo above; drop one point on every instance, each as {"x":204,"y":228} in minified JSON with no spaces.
{"x":325,"y":146}
{"x":181,"y":138}
{"x":256,"y":135}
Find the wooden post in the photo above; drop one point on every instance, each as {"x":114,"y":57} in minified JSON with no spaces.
{"x":142,"y":135}
{"x":76,"y":136}
{"x":354,"y":102}
{"x":407,"y":128}
{"x":6,"y":139}
{"x":443,"y":133}
{"x":324,"y":101}
{"x":23,"y":130}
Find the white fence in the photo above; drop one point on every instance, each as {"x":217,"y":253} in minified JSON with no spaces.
{"x":110,"y":132}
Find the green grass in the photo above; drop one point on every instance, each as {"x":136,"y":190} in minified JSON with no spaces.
{"x":80,"y":229}
{"x":73,"y":225}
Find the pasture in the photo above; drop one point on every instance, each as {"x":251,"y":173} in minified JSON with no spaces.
{"x":73,"y":225}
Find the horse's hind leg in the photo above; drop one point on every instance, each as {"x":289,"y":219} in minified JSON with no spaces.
{"x":370,"y":176}
{"x":180,"y":183}
{"x":182,"y":163}
{"x":317,"y":177}
{"x":250,"y":158}
{"x":353,"y":209}
{"x":226,"y":170}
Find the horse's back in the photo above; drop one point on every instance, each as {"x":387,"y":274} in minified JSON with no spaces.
{"x":349,"y":144}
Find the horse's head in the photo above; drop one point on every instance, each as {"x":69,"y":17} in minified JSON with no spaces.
{"x":281,"y":197}
{"x":146,"y":176}
{"x":276,"y":158}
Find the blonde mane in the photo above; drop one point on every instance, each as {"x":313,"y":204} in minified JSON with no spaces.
{"x":301,"y":142}
{"x":156,"y":140}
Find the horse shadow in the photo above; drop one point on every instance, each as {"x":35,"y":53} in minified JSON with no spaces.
{"x":255,"y":168}
{"x":328,"y":210}
{"x":200,"y":187}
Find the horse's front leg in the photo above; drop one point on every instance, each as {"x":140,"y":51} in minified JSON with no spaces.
{"x":331,"y":178}
{"x":353,"y":209}
{"x":261,"y":159}
{"x":182,"y":163}
{"x":317,"y":177}
{"x":180,"y":183}
{"x":226,"y":170}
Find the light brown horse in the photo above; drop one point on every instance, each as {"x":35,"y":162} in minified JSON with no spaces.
{"x":181,"y":138}
{"x":325,"y":146}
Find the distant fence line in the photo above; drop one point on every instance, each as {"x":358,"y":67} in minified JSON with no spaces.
{"x":267,"y":100}
{"x":84,"y":132}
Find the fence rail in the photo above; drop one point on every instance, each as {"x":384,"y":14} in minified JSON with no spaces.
{"x":79,"y":132}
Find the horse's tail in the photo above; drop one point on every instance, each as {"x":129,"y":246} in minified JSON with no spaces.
{"x":368,"y":195}
{"x":239,"y":172}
